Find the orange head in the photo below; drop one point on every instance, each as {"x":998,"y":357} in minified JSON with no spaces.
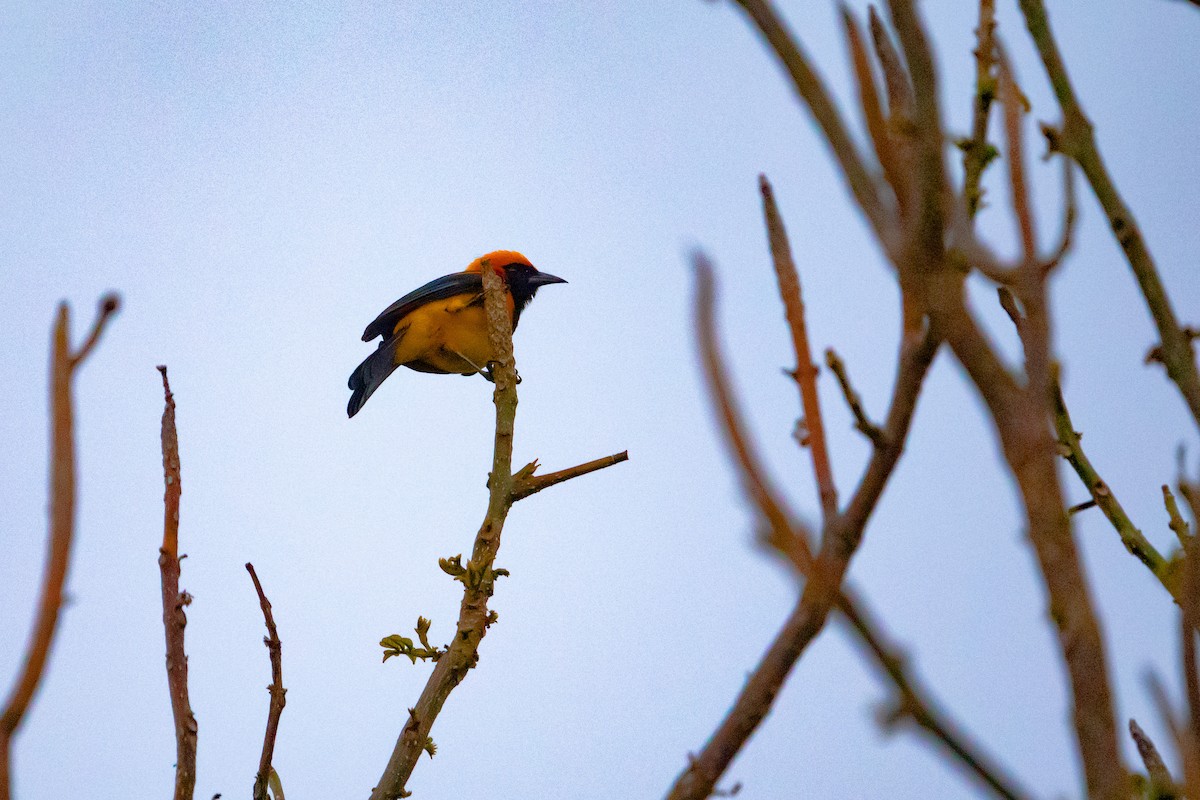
{"x":522,"y":277}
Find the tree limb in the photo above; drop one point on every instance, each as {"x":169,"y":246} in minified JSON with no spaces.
{"x":1077,"y":140}
{"x":278,"y":693}
{"x":64,"y":362}
{"x":173,"y":602}
{"x":479,"y":576}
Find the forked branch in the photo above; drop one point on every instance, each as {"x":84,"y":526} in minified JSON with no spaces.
{"x":64,"y":362}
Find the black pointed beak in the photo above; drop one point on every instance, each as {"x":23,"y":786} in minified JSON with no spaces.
{"x":543,"y":279}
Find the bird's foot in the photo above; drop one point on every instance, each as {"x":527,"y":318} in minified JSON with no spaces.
{"x":489,"y":372}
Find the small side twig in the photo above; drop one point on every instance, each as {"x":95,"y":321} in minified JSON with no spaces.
{"x":173,"y":603}
{"x":861,"y":421}
{"x":278,"y":693}
{"x":64,"y":362}
{"x":1071,"y":448}
{"x":1162,"y":785}
{"x":977,"y":153}
{"x":526,"y":483}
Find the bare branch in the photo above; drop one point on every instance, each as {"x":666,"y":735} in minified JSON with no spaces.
{"x":888,"y":149}
{"x":1077,"y":140}
{"x":479,"y":575}
{"x":526,"y":483}
{"x":1178,"y":525}
{"x":173,"y":602}
{"x":278,"y":693}
{"x":977,"y":153}
{"x":1071,"y":448}
{"x":806,"y":371}
{"x":861,"y":421}
{"x":840,"y":538}
{"x":64,"y":362}
{"x":1162,"y":785}
{"x":899,"y":87}
{"x":1019,"y":413}
{"x":816,"y":98}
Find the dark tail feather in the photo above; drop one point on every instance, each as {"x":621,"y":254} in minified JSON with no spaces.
{"x":368,"y":375}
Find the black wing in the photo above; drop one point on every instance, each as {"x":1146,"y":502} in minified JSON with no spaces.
{"x":439,"y":289}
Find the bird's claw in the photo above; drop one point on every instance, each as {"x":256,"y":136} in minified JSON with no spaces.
{"x":489,"y":372}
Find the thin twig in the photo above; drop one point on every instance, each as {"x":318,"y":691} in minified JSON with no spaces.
{"x":977,"y":153}
{"x":1071,"y":448}
{"x":861,"y":421}
{"x":1188,"y":620}
{"x":1077,"y":140}
{"x":805,"y":373}
{"x":479,"y":577}
{"x":278,"y":693}
{"x":64,"y":362}
{"x":173,"y":603}
{"x":1177,"y":523}
{"x":888,"y":149}
{"x":526,"y":483}
{"x":824,"y":111}
{"x":1162,"y":785}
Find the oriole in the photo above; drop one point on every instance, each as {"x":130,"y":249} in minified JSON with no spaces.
{"x":441,"y":327}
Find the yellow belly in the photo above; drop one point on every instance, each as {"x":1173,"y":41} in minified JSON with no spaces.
{"x":450,"y":335}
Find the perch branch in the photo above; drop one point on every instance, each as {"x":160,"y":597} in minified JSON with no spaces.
{"x":1077,"y":140}
{"x":479,"y":577}
{"x":278,"y":693}
{"x":173,"y":603}
{"x":64,"y":362}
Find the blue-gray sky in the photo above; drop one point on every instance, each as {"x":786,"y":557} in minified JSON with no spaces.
{"x":259,"y":180}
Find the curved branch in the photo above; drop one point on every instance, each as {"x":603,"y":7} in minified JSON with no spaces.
{"x":64,"y":362}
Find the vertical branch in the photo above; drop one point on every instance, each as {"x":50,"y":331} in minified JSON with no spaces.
{"x":977,"y":153}
{"x":1020,"y":416}
{"x":173,"y":602}
{"x":806,"y":371}
{"x":479,"y":578}
{"x":63,"y":364}
{"x":1190,"y":737}
{"x":278,"y":693}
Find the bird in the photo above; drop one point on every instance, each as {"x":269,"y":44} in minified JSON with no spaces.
{"x":441,"y":327}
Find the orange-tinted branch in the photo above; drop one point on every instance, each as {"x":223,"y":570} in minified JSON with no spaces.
{"x":173,"y":602}
{"x":806,"y":371}
{"x":62,"y":523}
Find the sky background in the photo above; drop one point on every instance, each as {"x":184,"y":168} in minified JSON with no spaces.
{"x":260,"y":180}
